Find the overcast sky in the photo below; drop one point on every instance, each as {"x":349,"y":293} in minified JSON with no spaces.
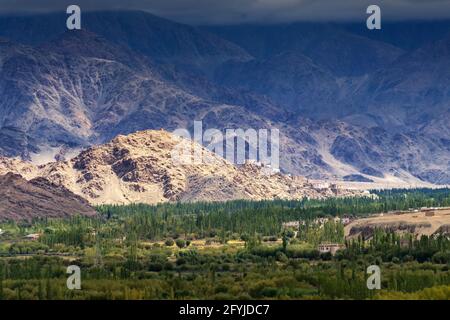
{"x":240,"y":11}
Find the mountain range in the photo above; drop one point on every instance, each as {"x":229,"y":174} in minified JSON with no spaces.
{"x":349,"y":104}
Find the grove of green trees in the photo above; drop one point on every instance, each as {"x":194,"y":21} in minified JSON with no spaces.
{"x":149,"y":252}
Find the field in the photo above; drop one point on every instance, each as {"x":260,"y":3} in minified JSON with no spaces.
{"x":422,"y":222}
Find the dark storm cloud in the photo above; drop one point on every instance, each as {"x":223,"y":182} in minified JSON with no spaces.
{"x":238,"y":11}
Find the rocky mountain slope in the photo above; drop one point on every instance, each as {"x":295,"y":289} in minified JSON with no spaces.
{"x":385,"y":109}
{"x":81,"y":90}
{"x":290,"y":79}
{"x":38,"y":198}
{"x":331,"y":46}
{"x":87,"y":96}
{"x":347,"y":106}
{"x":150,"y":167}
{"x":413,"y":89}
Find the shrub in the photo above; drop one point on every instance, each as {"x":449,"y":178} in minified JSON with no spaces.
{"x":441,"y":257}
{"x":181,"y":261}
{"x":169,"y":242}
{"x":270,"y":239}
{"x":168,"y":266}
{"x":395,"y":260}
{"x":180,"y":243}
{"x":281,"y":257}
{"x":155,"y":266}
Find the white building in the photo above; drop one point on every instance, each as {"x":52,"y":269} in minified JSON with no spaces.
{"x":291,"y":224}
{"x":321,"y":186}
{"x":33,"y":236}
{"x":330,"y":247}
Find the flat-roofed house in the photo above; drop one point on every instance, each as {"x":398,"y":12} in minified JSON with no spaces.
{"x":32,"y":236}
{"x":330,"y":247}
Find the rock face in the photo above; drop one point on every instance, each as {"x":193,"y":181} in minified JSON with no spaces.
{"x":152,"y":167}
{"x":345,"y":104}
{"x":38,"y":198}
{"x":385,"y":102}
{"x":289,"y":79}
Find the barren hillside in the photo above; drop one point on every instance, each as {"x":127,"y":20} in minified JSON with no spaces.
{"x":38,"y":198}
{"x":140,"y":168}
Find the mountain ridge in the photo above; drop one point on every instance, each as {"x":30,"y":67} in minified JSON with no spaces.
{"x":71,"y":91}
{"x":142,"y":168}
{"x":38,"y":198}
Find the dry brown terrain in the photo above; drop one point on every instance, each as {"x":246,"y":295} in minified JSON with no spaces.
{"x":141,"y":168}
{"x":384,"y":184}
{"x":414,"y":222}
{"x":24,"y":200}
